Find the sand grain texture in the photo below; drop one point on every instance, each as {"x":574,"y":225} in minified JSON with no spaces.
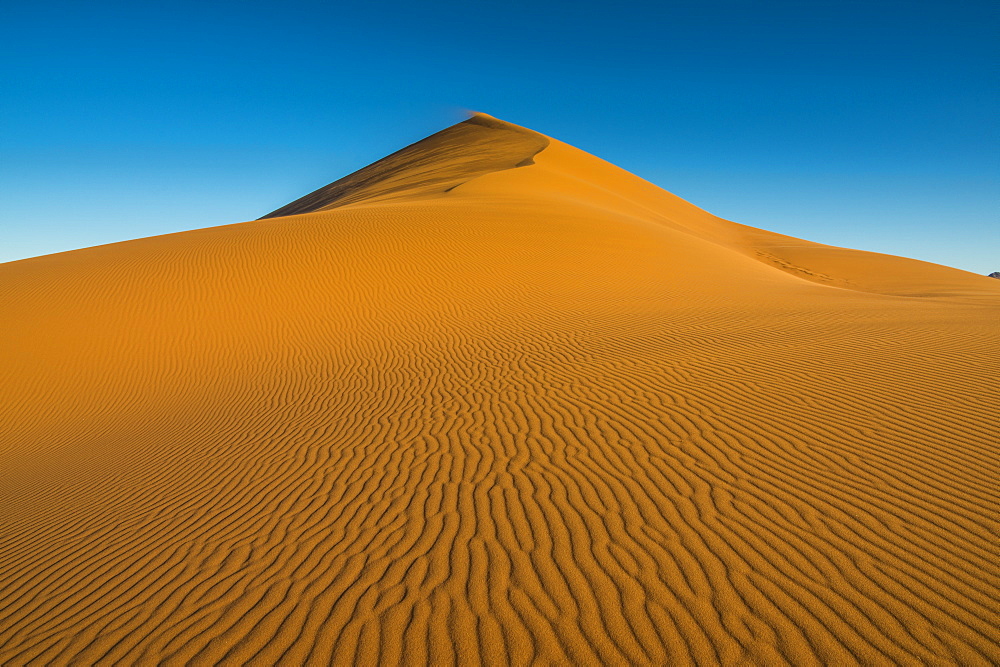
{"x":496,"y":401}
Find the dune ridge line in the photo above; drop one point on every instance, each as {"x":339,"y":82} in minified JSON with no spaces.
{"x":493,"y":400}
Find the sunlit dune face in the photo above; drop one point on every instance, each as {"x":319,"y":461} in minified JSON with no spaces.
{"x":494,"y":400}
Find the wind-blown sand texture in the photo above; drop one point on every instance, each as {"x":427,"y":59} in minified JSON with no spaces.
{"x":494,"y":400}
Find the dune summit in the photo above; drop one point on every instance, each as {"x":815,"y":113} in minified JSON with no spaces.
{"x":494,"y":400}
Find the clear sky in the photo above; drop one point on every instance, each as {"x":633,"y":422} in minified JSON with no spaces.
{"x":871,"y":125}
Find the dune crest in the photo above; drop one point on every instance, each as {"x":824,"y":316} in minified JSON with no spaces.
{"x":432,"y":166}
{"x":492,"y":400}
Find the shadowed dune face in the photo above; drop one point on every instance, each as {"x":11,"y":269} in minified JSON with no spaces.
{"x":482,"y":413}
{"x":434,"y":165}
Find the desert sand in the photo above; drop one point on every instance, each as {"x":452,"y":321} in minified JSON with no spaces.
{"x":494,"y":400}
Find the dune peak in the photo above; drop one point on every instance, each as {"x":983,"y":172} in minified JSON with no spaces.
{"x":492,"y":399}
{"x":479,"y":145}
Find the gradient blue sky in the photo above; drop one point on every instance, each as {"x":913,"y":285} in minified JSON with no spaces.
{"x":864,"y":124}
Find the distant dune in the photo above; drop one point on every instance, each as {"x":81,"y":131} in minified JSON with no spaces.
{"x":494,"y":400}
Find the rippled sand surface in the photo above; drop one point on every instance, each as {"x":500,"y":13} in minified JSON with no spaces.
{"x":493,"y":400}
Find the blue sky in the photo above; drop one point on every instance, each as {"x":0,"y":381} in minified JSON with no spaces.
{"x":864,"y":124}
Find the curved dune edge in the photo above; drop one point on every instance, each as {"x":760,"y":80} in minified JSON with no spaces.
{"x":431,"y":166}
{"x":548,"y":414}
{"x":451,"y":161}
{"x":572,"y":178}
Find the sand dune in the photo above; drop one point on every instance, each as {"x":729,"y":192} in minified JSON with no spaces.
{"x":493,"y":400}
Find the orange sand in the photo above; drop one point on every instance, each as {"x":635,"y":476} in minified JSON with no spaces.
{"x":493,"y":400}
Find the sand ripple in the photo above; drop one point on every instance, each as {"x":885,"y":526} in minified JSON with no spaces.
{"x":519,"y":421}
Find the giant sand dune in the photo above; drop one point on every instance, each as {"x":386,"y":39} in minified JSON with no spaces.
{"x":492,"y":400}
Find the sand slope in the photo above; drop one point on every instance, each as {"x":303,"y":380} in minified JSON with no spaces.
{"x":493,"y":400}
